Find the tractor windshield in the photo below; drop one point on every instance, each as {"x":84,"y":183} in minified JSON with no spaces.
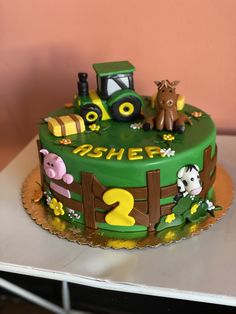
{"x":117,"y":83}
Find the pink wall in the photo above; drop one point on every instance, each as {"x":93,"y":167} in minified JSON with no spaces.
{"x":44,"y":43}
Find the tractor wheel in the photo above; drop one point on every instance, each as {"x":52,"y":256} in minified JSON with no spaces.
{"x":90,"y":113}
{"x":126,"y":109}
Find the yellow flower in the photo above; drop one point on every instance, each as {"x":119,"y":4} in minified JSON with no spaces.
{"x":170,"y":218}
{"x":65,"y":141}
{"x":168,"y":137}
{"x":94,"y":127}
{"x":162,"y":153}
{"x":193,"y":209}
{"x":120,"y":244}
{"x":193,"y":228}
{"x":196,"y":114}
{"x":170,"y":236}
{"x":58,"y":224}
{"x":57,"y":207}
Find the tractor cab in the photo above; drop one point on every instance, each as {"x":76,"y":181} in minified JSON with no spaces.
{"x":113,"y":77}
{"x":114,"y":97}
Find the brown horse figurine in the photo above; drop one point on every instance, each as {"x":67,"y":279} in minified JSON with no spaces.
{"x":166,"y":117}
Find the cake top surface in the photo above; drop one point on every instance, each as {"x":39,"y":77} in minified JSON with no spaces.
{"x":113,"y":134}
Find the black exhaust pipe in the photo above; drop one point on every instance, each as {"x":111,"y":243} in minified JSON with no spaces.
{"x":83,"y":89}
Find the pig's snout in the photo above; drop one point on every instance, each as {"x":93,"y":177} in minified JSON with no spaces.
{"x":50,"y":173}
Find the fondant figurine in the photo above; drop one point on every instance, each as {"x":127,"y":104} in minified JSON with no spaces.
{"x":114,"y":98}
{"x":66,"y":125}
{"x":166,"y":117}
{"x":55,"y":168}
{"x":189,"y":180}
{"x":190,"y":205}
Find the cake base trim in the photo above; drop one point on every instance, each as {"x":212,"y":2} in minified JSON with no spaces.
{"x":95,"y":238}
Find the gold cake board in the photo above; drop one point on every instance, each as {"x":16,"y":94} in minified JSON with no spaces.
{"x":42,"y":216}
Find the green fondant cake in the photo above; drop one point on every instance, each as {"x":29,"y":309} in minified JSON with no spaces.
{"x":119,"y":162}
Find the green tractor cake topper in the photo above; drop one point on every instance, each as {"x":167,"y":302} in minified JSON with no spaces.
{"x":114,"y":98}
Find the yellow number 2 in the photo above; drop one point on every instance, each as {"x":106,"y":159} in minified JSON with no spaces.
{"x":119,"y":216}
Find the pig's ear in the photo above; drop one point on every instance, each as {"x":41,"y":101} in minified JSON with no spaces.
{"x":58,"y":158}
{"x":44,"y":151}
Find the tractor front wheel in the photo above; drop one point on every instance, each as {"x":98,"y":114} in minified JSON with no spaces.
{"x":126,"y":109}
{"x":90,"y":113}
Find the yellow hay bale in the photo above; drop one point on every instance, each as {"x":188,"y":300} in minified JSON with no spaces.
{"x":180,"y":102}
{"x":66,"y":125}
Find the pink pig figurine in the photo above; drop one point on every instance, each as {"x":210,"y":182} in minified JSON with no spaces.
{"x":55,"y":168}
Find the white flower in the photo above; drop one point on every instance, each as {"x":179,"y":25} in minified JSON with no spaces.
{"x":136,"y":126}
{"x":210,"y":205}
{"x":167,"y":152}
{"x":72,"y":214}
{"x":48,"y":199}
{"x":47,"y":119}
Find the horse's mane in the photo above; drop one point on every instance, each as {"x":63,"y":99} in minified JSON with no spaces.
{"x":165,"y":83}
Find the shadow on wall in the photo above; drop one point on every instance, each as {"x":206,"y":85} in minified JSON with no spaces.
{"x":34,"y":83}
{"x":49,"y":83}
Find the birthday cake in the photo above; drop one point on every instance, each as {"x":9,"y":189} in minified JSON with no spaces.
{"x":127,"y":165}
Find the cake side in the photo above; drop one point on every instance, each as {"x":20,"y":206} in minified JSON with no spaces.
{"x":193,"y":147}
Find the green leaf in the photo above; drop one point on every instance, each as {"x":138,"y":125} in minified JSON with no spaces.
{"x":201,"y":212}
{"x":179,"y":220}
{"x":217,"y":207}
{"x":182,"y":205}
{"x":204,"y":205}
{"x":106,"y":128}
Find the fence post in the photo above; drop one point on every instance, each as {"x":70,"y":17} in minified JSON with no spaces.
{"x":205,"y":174}
{"x":88,"y":199}
{"x":153,"y":198}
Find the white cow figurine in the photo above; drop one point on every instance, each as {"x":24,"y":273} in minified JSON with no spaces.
{"x":189,"y":180}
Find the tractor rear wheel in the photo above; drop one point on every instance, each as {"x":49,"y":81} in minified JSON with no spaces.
{"x":90,"y":113}
{"x":126,"y":108}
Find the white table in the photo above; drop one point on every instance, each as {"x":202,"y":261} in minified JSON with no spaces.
{"x":202,"y":268}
